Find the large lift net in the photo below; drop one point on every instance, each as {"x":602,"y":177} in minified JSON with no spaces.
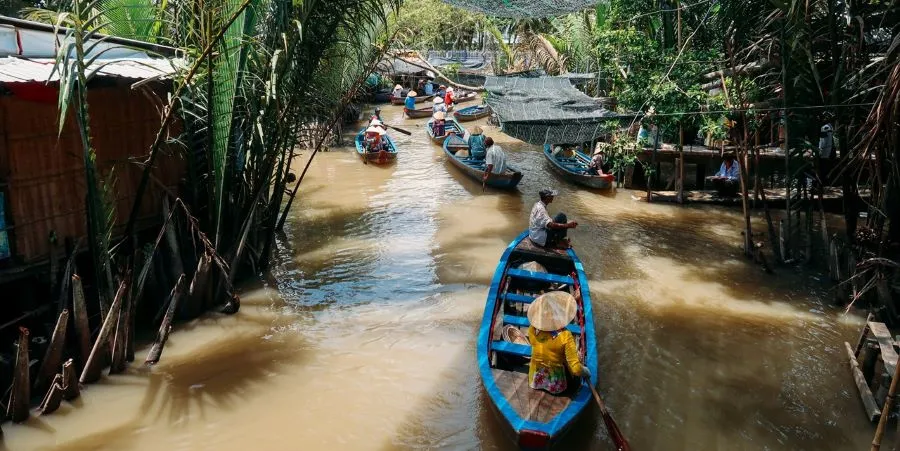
{"x":524,"y":8}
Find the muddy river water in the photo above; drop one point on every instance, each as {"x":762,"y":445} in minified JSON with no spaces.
{"x":363,"y":335}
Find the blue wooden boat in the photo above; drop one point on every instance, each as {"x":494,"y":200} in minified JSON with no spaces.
{"x":450,"y":125}
{"x":472,"y":113}
{"x":574,"y":169}
{"x":475,"y":168}
{"x":385,"y":156}
{"x":535,"y":419}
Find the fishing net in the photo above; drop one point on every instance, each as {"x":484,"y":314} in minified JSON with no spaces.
{"x":547,"y":110}
{"x":524,"y":8}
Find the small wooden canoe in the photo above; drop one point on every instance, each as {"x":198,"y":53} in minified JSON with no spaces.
{"x":450,"y":125}
{"x":575,"y":169}
{"x":385,"y":156}
{"x":535,"y":419}
{"x":475,"y":168}
{"x":402,"y":100}
{"x":466,"y":97}
{"x":419,"y":113}
{"x":472,"y":113}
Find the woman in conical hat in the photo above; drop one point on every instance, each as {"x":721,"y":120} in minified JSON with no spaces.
{"x":398,"y":91}
{"x":554,"y":356}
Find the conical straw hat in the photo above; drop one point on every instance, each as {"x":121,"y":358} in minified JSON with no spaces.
{"x":477,"y":131}
{"x":398,"y":87}
{"x":438,"y":100}
{"x":375,"y":130}
{"x":552,"y":311}
{"x":439,"y":115}
{"x":411,"y":94}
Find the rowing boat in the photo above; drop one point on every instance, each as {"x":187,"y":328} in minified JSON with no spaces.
{"x":472,"y":113}
{"x":450,"y":125}
{"x":402,"y":100}
{"x":383,"y":157}
{"x":466,"y":97}
{"x":419,"y":113}
{"x":574,"y":169}
{"x":535,"y":419}
{"x":475,"y":168}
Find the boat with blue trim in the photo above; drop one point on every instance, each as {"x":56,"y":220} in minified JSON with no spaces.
{"x":473,"y":168}
{"x":388,"y":155}
{"x":535,"y":419}
{"x":450,"y":126}
{"x":472,"y":113}
{"x":575,"y":169}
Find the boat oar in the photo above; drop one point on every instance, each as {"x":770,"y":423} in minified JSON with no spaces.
{"x":398,"y":129}
{"x":611,"y":427}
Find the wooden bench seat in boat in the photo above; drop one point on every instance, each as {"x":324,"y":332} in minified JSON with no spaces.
{"x":522,"y":321}
{"x":520,"y":298}
{"x":539,"y":276}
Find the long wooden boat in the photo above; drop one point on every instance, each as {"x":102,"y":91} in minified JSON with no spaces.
{"x":472,"y":113}
{"x":402,"y":100}
{"x":383,"y":157}
{"x":509,"y":179}
{"x":535,"y":419}
{"x":574,"y":169}
{"x":382,"y":96}
{"x":466,"y":97}
{"x":450,"y":125}
{"x":419,"y":113}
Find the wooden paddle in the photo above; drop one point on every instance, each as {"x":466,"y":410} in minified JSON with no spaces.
{"x":611,"y":427}
{"x":398,"y":129}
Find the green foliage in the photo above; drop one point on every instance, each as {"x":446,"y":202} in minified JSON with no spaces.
{"x":433,"y":24}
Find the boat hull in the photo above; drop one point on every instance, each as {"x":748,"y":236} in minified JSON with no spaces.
{"x":472,"y":113}
{"x":419,"y":114}
{"x":508,"y":180}
{"x":449,"y":125}
{"x":534,"y":429}
{"x":383,"y":157}
{"x":574,"y":172}
{"x":402,"y":100}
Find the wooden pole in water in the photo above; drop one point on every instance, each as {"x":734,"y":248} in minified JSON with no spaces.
{"x":20,"y":392}
{"x":886,"y":410}
{"x":166,"y":326}
{"x":70,"y":381}
{"x":92,"y":368}
{"x":53,"y":397}
{"x":53,"y":356}
{"x":82,"y":325}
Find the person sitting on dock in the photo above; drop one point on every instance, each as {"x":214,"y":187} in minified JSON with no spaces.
{"x":410,"y":103}
{"x":727,"y":180}
{"x":554,"y":356}
{"x":398,"y":91}
{"x":477,"y":147}
{"x":546,"y":232}
{"x":437,"y":125}
{"x":494,"y":159}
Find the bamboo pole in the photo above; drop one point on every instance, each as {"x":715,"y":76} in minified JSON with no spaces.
{"x":886,"y":410}
{"x":166,"y":326}
{"x":198,"y":290}
{"x":91,"y":372}
{"x":53,"y":356}
{"x":117,"y":363}
{"x":53,"y":397}
{"x":20,"y":392}
{"x":82,"y":325}
{"x":70,"y":380}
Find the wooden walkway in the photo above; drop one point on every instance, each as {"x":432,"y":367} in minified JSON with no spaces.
{"x":775,"y":197}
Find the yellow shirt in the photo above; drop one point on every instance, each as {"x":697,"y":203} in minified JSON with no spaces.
{"x":551,"y":354}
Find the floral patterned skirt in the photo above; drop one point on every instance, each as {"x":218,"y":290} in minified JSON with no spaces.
{"x":553,"y":380}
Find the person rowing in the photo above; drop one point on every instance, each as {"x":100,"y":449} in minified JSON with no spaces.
{"x":410,"y":102}
{"x":546,"y":232}
{"x":554,"y":365}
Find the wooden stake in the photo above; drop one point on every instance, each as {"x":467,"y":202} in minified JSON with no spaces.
{"x":886,"y":410}
{"x":166,"y":326}
{"x":53,"y":397}
{"x":198,"y":291}
{"x":82,"y":325}
{"x":117,"y":363}
{"x":70,"y":381}
{"x":53,"y":356}
{"x":862,"y":336}
{"x":91,"y":371}
{"x":20,"y":392}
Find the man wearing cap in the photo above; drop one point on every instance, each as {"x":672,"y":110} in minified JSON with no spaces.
{"x":410,"y":100}
{"x":546,"y":232}
{"x":554,"y":356}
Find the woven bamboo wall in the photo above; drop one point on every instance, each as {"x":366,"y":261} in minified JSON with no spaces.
{"x":45,"y":173}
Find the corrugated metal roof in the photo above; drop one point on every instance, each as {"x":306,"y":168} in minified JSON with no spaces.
{"x":20,"y":70}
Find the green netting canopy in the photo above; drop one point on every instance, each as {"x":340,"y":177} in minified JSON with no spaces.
{"x":547,"y":110}
{"x":524,"y":8}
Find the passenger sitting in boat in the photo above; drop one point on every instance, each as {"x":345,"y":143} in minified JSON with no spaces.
{"x":542,"y":230}
{"x":437,"y":125}
{"x":595,"y":167}
{"x":421,"y":86}
{"x":449,"y":97}
{"x":439,"y":105}
{"x":477,"y":148}
{"x":727,"y":180}
{"x":398,"y":91}
{"x":441,"y":92}
{"x":373,"y":135}
{"x":554,"y":356}
{"x":563,"y":152}
{"x":375,"y":116}
{"x":410,"y":103}
{"x":429,"y":87}
{"x":494,"y":159}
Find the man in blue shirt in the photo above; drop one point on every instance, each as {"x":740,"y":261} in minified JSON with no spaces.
{"x":728,"y":180}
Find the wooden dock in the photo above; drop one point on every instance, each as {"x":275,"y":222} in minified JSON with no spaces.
{"x":775,"y":197}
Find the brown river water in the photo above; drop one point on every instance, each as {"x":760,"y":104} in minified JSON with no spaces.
{"x":363,"y":335}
